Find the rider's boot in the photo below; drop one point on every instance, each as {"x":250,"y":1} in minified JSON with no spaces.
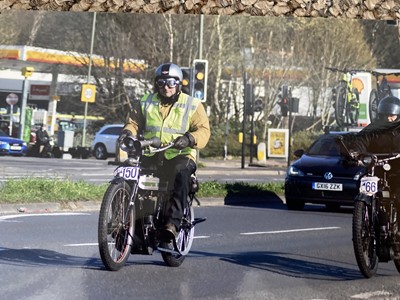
{"x":168,"y":233}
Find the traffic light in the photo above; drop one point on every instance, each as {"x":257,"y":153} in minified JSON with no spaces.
{"x":200,"y":69}
{"x":284,"y":100}
{"x":186,"y":80}
{"x":258,"y":105}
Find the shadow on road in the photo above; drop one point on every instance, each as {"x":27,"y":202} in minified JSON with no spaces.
{"x":292,"y":265}
{"x":253,"y":198}
{"x":43,"y":257}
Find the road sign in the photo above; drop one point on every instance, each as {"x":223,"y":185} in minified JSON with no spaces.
{"x":88,"y":93}
{"x":12,"y":99}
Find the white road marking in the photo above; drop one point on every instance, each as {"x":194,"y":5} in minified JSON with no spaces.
{"x":291,"y":230}
{"x":244,"y":233}
{"x":96,"y":244}
{"x":80,"y":245}
{"x":370,"y":295}
{"x":202,"y":237}
{"x":7,"y":217}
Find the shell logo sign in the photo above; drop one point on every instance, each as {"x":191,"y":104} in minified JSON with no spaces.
{"x":358,"y":84}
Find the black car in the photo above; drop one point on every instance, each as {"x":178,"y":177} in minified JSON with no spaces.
{"x":322,"y":175}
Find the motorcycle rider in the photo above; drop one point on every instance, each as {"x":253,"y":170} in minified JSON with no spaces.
{"x":381,"y":136}
{"x":171,"y":115}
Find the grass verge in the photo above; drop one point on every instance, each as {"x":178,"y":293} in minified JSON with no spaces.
{"x":37,"y":190}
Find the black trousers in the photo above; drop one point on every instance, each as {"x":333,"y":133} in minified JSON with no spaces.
{"x":177,"y":172}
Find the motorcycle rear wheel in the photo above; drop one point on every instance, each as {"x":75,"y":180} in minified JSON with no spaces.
{"x":364,"y":243}
{"x":116,"y":226}
{"x":183,"y":241}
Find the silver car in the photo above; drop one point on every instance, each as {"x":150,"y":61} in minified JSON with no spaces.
{"x":104,"y":143}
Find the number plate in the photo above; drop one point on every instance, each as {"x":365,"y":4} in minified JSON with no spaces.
{"x":327,"y":186}
{"x":369,"y":185}
{"x":15,"y":147}
{"x":128,"y":173}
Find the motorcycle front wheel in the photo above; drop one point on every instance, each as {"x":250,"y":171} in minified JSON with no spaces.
{"x":364,"y":243}
{"x":183,"y":241}
{"x":116,"y":226}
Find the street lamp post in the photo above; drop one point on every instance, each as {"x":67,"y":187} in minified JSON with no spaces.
{"x":228,"y":105}
{"x":88,"y":78}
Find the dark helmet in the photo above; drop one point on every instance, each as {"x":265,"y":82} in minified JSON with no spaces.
{"x":389,"y":105}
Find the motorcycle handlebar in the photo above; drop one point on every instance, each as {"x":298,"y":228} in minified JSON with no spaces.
{"x":131,"y":144}
{"x":153,"y":142}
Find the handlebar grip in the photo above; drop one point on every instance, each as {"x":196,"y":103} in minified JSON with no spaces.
{"x":154,"y":142}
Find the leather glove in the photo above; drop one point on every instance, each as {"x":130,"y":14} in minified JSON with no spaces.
{"x":125,"y":133}
{"x":353,"y":154}
{"x":186,"y":140}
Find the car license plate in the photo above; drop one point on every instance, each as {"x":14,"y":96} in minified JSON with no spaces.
{"x":12,"y":147}
{"x":327,"y":186}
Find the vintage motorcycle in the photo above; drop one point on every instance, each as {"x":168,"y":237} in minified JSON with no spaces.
{"x":131,"y":212}
{"x":376,"y":236}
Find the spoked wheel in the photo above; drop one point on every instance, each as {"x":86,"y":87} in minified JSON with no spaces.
{"x":341,"y":106}
{"x":364,"y":242}
{"x":183,"y":242}
{"x":396,"y":233}
{"x":116,"y":226}
{"x":373,"y":105}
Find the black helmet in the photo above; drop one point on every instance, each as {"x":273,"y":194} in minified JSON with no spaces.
{"x":389,"y":105}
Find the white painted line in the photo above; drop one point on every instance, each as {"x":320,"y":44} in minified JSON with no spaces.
{"x":95,"y":244}
{"x":41,"y":215}
{"x":371,"y":295}
{"x":291,"y":230}
{"x":80,"y":245}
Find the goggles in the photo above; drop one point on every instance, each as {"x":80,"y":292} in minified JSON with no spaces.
{"x":170,"y":82}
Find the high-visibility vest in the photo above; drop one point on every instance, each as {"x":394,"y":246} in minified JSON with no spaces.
{"x":175,"y":124}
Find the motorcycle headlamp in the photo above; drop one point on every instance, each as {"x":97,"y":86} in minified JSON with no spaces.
{"x":130,"y":144}
{"x":367,"y":160}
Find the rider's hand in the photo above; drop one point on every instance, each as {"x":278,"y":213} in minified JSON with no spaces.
{"x":353,"y":154}
{"x":125,"y":133}
{"x":183,"y":141}
{"x":338,"y":139}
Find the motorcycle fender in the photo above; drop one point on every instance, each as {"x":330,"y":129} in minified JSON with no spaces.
{"x":364,"y":198}
{"x":117,"y":180}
